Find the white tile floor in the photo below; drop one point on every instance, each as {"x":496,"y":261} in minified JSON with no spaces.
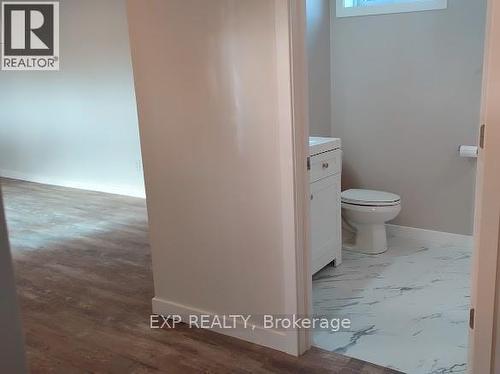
{"x":409,"y":307}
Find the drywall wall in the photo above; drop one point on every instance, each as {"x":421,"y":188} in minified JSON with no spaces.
{"x":406,"y":94}
{"x":318,"y":53}
{"x":76,"y":127}
{"x":209,"y":84}
{"x":12,"y":358}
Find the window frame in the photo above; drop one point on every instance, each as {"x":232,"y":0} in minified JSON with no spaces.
{"x":410,"y":6}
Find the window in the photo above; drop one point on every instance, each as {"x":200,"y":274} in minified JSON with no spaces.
{"x":349,"y":8}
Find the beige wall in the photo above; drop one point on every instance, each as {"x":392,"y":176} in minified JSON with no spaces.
{"x":406,"y":94}
{"x":318,"y":53}
{"x":76,"y":127}
{"x":207,"y":78}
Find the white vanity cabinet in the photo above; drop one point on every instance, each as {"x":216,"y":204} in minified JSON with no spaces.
{"x":325,"y":165}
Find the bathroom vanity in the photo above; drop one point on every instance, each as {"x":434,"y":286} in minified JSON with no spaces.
{"x":325,"y":167}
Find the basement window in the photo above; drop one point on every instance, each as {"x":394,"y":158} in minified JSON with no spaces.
{"x":350,"y":8}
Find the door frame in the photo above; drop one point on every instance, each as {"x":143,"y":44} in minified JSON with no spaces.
{"x":485,"y":299}
{"x":485,"y":277}
{"x":294,"y":109}
{"x":12,"y":352}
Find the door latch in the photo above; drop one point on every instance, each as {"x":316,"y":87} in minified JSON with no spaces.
{"x":481,"y":136}
{"x":471,"y":318}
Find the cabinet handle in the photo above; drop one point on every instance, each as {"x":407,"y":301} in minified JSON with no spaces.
{"x":325,"y":165}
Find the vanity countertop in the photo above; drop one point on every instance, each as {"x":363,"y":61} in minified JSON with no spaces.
{"x":319,"y":145}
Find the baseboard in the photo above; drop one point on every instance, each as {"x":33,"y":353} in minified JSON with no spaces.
{"x":132,"y":191}
{"x":271,"y":338}
{"x":429,"y":236}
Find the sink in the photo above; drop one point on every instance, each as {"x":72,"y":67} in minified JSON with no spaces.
{"x":321,"y":144}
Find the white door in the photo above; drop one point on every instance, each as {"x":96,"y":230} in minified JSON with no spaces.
{"x":485,"y":288}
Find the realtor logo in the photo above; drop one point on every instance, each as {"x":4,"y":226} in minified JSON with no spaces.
{"x":30,"y":35}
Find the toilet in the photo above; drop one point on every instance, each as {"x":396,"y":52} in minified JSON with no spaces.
{"x":364,"y":213}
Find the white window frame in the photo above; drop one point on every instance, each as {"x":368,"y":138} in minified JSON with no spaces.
{"x":403,"y":7}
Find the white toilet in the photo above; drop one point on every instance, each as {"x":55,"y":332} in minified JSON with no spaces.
{"x":365,"y":213}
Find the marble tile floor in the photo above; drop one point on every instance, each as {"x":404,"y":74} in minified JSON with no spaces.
{"x":408,"y":307}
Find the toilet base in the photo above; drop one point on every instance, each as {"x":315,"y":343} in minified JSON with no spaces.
{"x":369,"y":239}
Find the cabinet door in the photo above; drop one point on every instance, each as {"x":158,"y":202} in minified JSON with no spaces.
{"x":326,"y":222}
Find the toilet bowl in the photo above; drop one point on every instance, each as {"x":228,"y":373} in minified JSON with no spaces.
{"x":365,"y":213}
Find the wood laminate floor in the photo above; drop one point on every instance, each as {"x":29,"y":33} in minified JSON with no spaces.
{"x":83,"y":270}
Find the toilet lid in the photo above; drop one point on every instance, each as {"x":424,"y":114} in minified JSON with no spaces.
{"x":370,"y":197}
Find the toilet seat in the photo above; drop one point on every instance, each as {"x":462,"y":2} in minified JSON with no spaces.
{"x":369,"y":198}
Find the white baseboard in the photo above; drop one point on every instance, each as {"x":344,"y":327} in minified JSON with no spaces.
{"x":429,"y":236}
{"x":271,"y":338}
{"x":132,"y":191}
